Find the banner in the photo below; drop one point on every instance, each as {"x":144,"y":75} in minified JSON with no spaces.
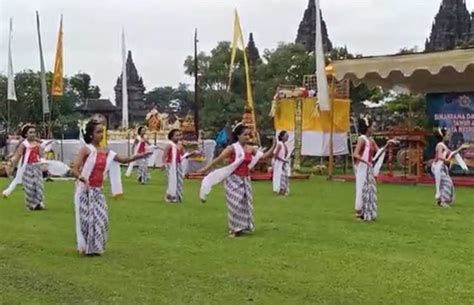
{"x":11,"y":93}
{"x":57,"y":86}
{"x":44,"y":94}
{"x":455,"y":112}
{"x":323,"y":91}
{"x":238,"y":38}
{"x":316,"y":130}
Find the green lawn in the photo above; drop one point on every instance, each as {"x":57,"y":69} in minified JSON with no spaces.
{"x":307,"y":249}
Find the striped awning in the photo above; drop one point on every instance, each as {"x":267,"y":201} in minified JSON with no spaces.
{"x":448,"y":71}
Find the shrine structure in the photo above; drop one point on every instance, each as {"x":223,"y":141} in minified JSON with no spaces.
{"x":439,"y":75}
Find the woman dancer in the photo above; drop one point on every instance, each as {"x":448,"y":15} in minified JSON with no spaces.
{"x":444,"y":184}
{"x":90,"y":166}
{"x":172,"y":159}
{"x":281,"y":166}
{"x":141,"y":146}
{"x":366,"y":153}
{"x":29,"y":172}
{"x":238,"y":188}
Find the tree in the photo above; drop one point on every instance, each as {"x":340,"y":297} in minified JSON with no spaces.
{"x":407,"y":50}
{"x":340,"y":53}
{"x":411,"y":107}
{"x":218,"y":105}
{"x":214,"y":68}
{"x":28,"y":107}
{"x":80,"y":84}
{"x":177,"y":101}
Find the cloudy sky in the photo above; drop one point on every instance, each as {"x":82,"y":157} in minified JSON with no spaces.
{"x":160,"y":32}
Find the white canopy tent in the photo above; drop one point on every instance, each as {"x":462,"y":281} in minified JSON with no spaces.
{"x":447,"y":71}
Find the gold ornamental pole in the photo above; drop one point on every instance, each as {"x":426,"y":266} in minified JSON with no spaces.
{"x":331,"y":137}
{"x":298,"y":133}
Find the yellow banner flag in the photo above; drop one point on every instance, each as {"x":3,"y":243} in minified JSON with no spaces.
{"x":285,"y":116}
{"x":239,"y":38}
{"x":57,"y":86}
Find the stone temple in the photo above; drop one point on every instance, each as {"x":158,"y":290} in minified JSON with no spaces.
{"x":307,"y":30}
{"x":453,"y":27}
{"x":137,"y":108}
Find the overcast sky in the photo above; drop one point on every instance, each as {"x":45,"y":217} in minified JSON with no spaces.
{"x":160,"y":32}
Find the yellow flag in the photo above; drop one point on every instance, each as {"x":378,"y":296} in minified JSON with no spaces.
{"x":58,"y":87}
{"x":239,"y":38}
{"x":235,"y":42}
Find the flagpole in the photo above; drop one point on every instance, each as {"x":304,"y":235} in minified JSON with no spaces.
{"x":8,"y":116}
{"x":125,"y":123}
{"x":196,"y":85}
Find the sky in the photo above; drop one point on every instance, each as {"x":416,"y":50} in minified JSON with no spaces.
{"x":160,"y":32}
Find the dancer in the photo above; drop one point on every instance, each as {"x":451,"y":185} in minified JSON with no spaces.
{"x":366,"y":153}
{"x":90,"y":166}
{"x":444,"y":184}
{"x":281,"y":166}
{"x":29,"y":171}
{"x":140,"y":146}
{"x":172,"y":159}
{"x":238,"y":188}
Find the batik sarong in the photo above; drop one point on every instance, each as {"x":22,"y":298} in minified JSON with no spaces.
{"x":444,"y":183}
{"x":33,"y":186}
{"x":93,"y":221}
{"x":143,"y":175}
{"x":369,"y":197}
{"x":239,"y":199}
{"x":178,"y":196}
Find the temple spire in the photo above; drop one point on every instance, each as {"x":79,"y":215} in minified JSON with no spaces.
{"x":136,"y":92}
{"x":252,"y":51}
{"x":307,"y":30}
{"x":452,"y":27}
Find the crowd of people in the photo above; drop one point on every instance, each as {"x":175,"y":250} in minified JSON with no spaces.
{"x":93,"y":162}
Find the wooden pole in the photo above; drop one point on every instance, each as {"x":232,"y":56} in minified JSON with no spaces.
{"x":128,"y":144}
{"x":50,"y":124}
{"x":8,"y":116}
{"x":62,"y":143}
{"x":45,"y":128}
{"x":410,"y":113}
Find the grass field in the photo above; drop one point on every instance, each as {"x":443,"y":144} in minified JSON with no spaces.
{"x":307,"y":249}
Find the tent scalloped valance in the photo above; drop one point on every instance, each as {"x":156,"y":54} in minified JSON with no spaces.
{"x":449,"y":71}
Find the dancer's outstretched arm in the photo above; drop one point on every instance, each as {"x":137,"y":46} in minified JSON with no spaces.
{"x":269,"y":152}
{"x":224,"y":155}
{"x":126,"y":160}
